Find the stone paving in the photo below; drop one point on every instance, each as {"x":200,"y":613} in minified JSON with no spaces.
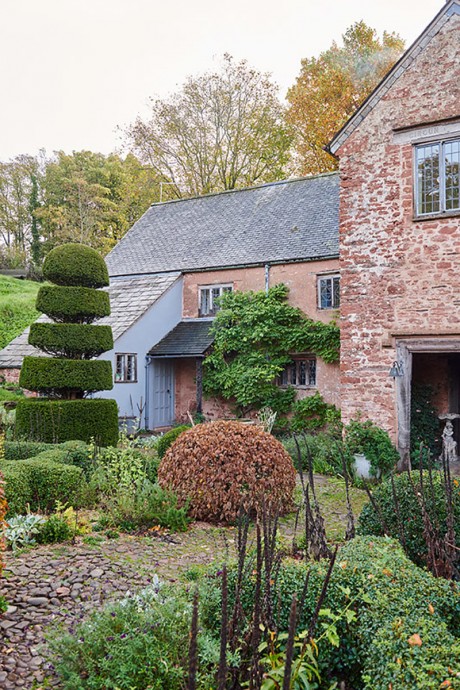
{"x":59,"y":584}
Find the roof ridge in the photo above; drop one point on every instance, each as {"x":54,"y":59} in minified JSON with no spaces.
{"x":263,"y":185}
{"x":449,"y":8}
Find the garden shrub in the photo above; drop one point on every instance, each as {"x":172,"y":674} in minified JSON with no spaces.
{"x":73,"y":304}
{"x":49,"y":375}
{"x":21,"y":450}
{"x":326,"y":452}
{"x":410,"y":512}
{"x":371,"y":574}
{"x":75,"y":264}
{"x":374,"y":442}
{"x":71,"y":340}
{"x":168,"y":439}
{"x":54,"y":530}
{"x":57,"y":421}
{"x":313,"y":413}
{"x":139,"y":642}
{"x":218,"y":467}
{"x":37,"y":484}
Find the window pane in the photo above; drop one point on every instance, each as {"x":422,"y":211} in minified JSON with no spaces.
{"x":292,"y":374}
{"x":131,"y":368}
{"x":119,"y":368}
{"x":336,"y":292}
{"x":325,"y":293}
{"x":312,"y":372}
{"x":205,"y":306}
{"x":452,"y":182}
{"x":227,"y":289}
{"x":427,"y":159}
{"x":284,"y":377}
{"x":302,"y":373}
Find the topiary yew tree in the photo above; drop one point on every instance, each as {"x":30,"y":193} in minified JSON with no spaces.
{"x":73,"y":302}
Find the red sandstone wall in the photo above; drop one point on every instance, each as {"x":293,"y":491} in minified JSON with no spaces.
{"x":398,"y":276}
{"x":10,"y":375}
{"x":301,"y":279}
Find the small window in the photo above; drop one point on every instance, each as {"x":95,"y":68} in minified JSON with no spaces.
{"x":329,"y":292}
{"x":301,"y":373}
{"x":437,"y":180}
{"x":125,"y":368}
{"x":209,"y":298}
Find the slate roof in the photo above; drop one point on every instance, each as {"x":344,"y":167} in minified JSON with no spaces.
{"x":282,"y":221}
{"x":129,"y":300}
{"x":190,"y":338}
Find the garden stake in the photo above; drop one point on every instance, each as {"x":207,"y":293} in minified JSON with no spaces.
{"x":222,"y":672}
{"x":193,"y":648}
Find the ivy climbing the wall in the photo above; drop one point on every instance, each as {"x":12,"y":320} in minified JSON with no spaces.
{"x":255,"y":335}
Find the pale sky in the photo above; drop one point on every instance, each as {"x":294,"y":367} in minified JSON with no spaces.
{"x":72,"y":70}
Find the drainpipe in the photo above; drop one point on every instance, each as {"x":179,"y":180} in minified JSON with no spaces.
{"x":267,"y":277}
{"x":148,"y":361}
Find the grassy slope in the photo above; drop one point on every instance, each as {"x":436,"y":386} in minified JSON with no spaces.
{"x":17,"y":307}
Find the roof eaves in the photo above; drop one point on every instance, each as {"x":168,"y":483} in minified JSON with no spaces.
{"x":450,"y":8}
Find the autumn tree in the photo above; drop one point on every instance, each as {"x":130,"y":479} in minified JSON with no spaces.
{"x":331,"y":87}
{"x":93,"y":199}
{"x":221,"y":130}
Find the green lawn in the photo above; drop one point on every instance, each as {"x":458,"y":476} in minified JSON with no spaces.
{"x":17,"y":307}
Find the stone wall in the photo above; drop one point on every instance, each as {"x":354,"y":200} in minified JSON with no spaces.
{"x":400,"y":277}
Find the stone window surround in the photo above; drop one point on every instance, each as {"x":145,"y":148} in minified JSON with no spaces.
{"x":428,"y":133}
{"x":122,"y":357}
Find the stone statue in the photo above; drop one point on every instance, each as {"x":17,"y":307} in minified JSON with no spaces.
{"x":449,"y":444}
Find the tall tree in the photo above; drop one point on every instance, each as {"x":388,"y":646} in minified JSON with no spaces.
{"x":221,"y":130}
{"x":92,"y":198}
{"x":331,"y":87}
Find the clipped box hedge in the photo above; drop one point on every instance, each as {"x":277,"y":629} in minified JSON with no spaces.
{"x":75,"y":264}
{"x":49,"y":375}
{"x":56,"y":421}
{"x":73,"y":304}
{"x":21,"y":450}
{"x":36,"y":484}
{"x":71,"y":340}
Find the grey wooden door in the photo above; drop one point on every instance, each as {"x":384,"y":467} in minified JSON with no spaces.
{"x":163,"y":393}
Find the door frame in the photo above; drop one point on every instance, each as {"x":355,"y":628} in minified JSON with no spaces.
{"x":405,"y":349}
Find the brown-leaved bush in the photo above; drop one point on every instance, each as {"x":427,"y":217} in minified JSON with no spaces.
{"x":221,"y":466}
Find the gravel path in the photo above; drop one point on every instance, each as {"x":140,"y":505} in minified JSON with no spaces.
{"x":64,"y":583}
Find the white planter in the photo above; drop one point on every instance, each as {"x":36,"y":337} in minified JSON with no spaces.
{"x":362,"y":466}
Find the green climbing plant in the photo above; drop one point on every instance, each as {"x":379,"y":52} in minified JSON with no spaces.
{"x":255,"y":335}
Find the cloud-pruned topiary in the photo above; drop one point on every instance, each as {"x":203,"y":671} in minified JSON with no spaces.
{"x":73,"y":303}
{"x":221,"y":466}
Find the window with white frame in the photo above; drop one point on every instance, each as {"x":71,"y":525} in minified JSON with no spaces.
{"x":125,"y":368}
{"x":209,"y":296}
{"x":437,"y":177}
{"x":301,"y":373}
{"x":329,"y":291}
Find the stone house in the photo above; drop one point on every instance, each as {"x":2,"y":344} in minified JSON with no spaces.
{"x":400,"y":235}
{"x":168,"y":271}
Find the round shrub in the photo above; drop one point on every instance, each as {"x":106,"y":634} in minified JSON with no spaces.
{"x":57,"y":421}
{"x":51,"y":375}
{"x":71,"y":340}
{"x":75,"y":264}
{"x":73,"y":304}
{"x":17,"y":486}
{"x":168,"y":439}
{"x":410,"y":511}
{"x":220,"y":466}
